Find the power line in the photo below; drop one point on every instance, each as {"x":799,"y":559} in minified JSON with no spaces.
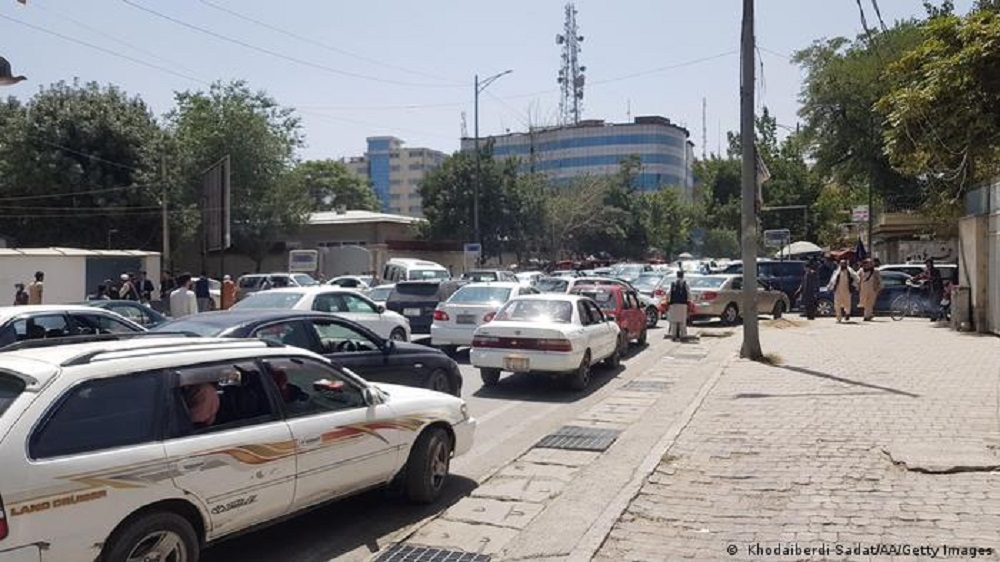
{"x":73,"y":194}
{"x":102,"y":49}
{"x":276,"y":54}
{"x":320,"y":44}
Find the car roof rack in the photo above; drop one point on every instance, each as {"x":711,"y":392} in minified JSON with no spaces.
{"x":69,"y":340}
{"x":88,"y":357}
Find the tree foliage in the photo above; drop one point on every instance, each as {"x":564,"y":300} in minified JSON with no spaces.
{"x":330,"y":184}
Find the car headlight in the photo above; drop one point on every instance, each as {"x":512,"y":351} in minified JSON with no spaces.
{"x":464,"y":410}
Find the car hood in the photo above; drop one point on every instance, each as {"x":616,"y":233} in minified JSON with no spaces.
{"x":424,"y":403}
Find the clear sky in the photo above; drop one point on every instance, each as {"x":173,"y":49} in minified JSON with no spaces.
{"x":365,"y":68}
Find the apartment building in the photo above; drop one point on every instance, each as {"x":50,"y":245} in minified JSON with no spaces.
{"x":395,"y":173}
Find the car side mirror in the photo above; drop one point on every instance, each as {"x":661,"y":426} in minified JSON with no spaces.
{"x":371,"y":396}
{"x":390,"y":346}
{"x":380,"y":309}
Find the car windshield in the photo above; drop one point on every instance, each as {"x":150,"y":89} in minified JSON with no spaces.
{"x":706,"y":282}
{"x":536,"y":311}
{"x":647,"y":282}
{"x":379,"y":293}
{"x":604,"y":299}
{"x":270,"y":299}
{"x":192,"y":326}
{"x":304,"y":280}
{"x":10,"y":388}
{"x":250,"y":281}
{"x":552,"y":285}
{"x":480,"y":276}
{"x":630,"y":271}
{"x":468,"y":295}
{"x":417,"y":274}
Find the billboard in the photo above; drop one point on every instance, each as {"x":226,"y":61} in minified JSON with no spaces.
{"x":215,"y":209}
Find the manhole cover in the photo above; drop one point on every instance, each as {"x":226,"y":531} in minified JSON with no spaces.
{"x":407,"y":553}
{"x":579,"y":438}
{"x":646,"y":386}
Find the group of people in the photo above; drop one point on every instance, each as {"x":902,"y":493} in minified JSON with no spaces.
{"x":129,"y":287}
{"x":190,"y":296}
{"x":33,"y":293}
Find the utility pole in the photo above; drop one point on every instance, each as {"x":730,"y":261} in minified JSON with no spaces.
{"x":751,"y":330}
{"x":164,"y":214}
{"x":479,"y":87}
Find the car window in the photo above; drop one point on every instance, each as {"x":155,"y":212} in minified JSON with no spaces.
{"x":416,"y":274}
{"x":534,"y":310}
{"x":407,"y":291}
{"x":100,"y":414}
{"x":310,"y":388}
{"x":581,"y":309}
{"x":293,"y":333}
{"x":250,"y":281}
{"x":88,"y":323}
{"x":480,"y":295}
{"x":304,"y":280}
{"x":552,"y":285}
{"x":596,"y":316}
{"x":605,"y":299}
{"x":329,"y":302}
{"x":10,"y":389}
{"x":132,"y":313}
{"x":355,"y":303}
{"x":271,"y":299}
{"x":338,"y":338}
{"x":379,"y":293}
{"x":706,"y":282}
{"x":41,"y":326}
{"x":218,"y":397}
{"x":480,"y":276}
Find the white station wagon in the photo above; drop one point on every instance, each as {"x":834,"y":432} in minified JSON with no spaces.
{"x":150,"y":447}
{"x":556,"y":334}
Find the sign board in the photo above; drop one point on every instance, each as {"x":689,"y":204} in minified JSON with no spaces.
{"x":860,"y":213}
{"x":777,"y":238}
{"x":303,"y":261}
{"x":472,"y":252}
{"x":215,"y":210}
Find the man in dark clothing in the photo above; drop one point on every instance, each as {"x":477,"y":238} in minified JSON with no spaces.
{"x":202,"y":293}
{"x":145,"y":287}
{"x":678,"y":309}
{"x":935,"y":288}
{"x":809,"y":290}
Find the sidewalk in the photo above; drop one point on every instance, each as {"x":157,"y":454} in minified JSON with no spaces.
{"x":866,"y":433}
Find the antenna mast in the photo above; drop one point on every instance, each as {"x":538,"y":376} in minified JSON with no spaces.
{"x":571,"y":77}
{"x":704,"y":128}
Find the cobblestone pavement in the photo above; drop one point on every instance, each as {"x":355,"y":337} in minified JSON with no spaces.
{"x":804,"y":452}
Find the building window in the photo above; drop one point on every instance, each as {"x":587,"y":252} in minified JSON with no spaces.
{"x":393,"y":155}
{"x":413,"y":181}
{"x":416,"y":166}
{"x":394,"y":196}
{"x":394,"y":168}
{"x":395,"y":182}
{"x":416,"y":154}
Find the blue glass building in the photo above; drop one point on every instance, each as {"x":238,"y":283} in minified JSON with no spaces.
{"x":596,"y":148}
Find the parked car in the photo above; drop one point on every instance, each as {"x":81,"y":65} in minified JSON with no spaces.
{"x":141,"y":314}
{"x":253,"y":282}
{"x":487,"y":275}
{"x":337,"y":338}
{"x":380,"y":294}
{"x":949,"y":271}
{"x":417,"y":300}
{"x":46,"y":321}
{"x":623,"y":306}
{"x":567,"y":285}
{"x":893,"y":285}
{"x":558,"y":335}
{"x":720,"y":295}
{"x":344,"y":302}
{"x":631,"y":271}
{"x":529,"y":278}
{"x":784,"y":275}
{"x":474,"y":304}
{"x":153,"y":448}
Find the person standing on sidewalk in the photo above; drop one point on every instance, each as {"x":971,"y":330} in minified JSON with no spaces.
{"x":809,"y":291}
{"x":36,"y":287}
{"x":678,"y":309}
{"x":842,"y":285}
{"x":227,"y":295}
{"x":871,"y":286}
{"x":203,"y":293}
{"x":182,"y":300}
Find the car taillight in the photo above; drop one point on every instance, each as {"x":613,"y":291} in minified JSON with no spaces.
{"x":441,"y":316}
{"x":4,"y":530}
{"x":709,"y":295}
{"x":659,"y":293}
{"x":553,"y":345}
{"x":485,"y":341}
{"x":489,"y":316}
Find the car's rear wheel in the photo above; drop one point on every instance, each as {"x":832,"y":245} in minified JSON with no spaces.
{"x":158,"y":535}
{"x":778,"y":310}
{"x":580,"y":379}
{"x":438,"y":380}
{"x":731,"y":315}
{"x":614,"y":360}
{"x":490,"y":376}
{"x":397,"y":334}
{"x":652,"y":316}
{"x":824,"y":307}
{"x":428,"y":465}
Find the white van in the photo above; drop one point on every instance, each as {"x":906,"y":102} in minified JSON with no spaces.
{"x":409,"y":269}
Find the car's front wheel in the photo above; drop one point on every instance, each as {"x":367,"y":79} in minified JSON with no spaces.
{"x":824,"y":308}
{"x":438,"y":380}
{"x":397,"y":334}
{"x":779,"y":309}
{"x":428,"y":465}
{"x":158,"y":535}
{"x":652,"y":316}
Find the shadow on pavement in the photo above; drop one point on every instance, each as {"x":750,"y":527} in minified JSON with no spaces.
{"x":828,"y":376}
{"x":803,"y":394}
{"x":336,"y":529}
{"x":545,"y":388}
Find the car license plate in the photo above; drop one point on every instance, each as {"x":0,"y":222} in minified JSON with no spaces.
{"x":465,"y":319}
{"x":411,"y":312}
{"x":516,"y":364}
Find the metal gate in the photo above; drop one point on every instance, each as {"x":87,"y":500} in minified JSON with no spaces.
{"x":993,"y":255}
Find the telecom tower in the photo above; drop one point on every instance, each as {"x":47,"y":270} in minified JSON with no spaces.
{"x":571,"y":77}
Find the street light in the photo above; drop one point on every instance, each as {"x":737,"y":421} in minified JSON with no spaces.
{"x":480,"y":85}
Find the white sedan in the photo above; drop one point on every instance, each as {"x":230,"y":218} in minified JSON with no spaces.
{"x":347,"y":303}
{"x":456,"y":319}
{"x":557,"y":334}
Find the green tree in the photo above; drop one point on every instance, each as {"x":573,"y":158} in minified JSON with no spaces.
{"x":668,"y":221}
{"x":261,"y":139}
{"x":77,"y":162}
{"x":330,"y":184}
{"x":943,"y":108}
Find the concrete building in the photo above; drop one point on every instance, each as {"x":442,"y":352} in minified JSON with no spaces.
{"x":596,"y":148}
{"x":395,"y":173}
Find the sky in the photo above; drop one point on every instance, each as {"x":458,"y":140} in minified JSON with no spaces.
{"x":355,"y":69}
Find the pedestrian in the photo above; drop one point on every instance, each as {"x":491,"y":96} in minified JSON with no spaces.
{"x":145,"y":288}
{"x":182,"y":300}
{"x":870,"y":287}
{"x":167,"y":285}
{"x":678,"y":308}
{"x":935,"y":288}
{"x":20,"y":295}
{"x":808,"y":291}
{"x":127,"y":290}
{"x":842,"y":285}
{"x":202,"y":293}
{"x":227,"y":296}
{"x":36,"y":287}
{"x":100,"y":295}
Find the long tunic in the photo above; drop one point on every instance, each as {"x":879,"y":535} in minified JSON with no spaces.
{"x":871,"y":286}
{"x":841,"y":286}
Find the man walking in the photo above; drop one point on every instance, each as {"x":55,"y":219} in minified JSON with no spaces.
{"x":842,"y":285}
{"x":35,"y":288}
{"x":182,"y":300}
{"x":227,"y":295}
{"x":809,"y":290}
{"x":871,"y":286}
{"x":678,"y":309}
{"x":202,"y":293}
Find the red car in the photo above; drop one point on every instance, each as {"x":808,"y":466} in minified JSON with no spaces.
{"x":622,"y":304}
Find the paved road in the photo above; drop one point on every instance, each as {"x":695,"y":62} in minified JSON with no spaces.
{"x":512,"y":416}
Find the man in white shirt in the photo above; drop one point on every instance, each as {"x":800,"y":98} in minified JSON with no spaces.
{"x":182,"y":300}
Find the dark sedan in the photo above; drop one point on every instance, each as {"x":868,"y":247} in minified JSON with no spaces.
{"x":893,"y":285}
{"x":340,"y":340}
{"x":141,"y":314}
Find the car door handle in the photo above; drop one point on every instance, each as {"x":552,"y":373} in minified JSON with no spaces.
{"x":309,"y":442}
{"x":191,"y":465}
